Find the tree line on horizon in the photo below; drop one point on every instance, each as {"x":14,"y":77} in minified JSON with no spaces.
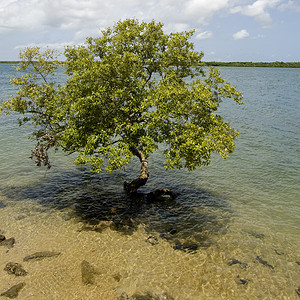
{"x":276,"y":64}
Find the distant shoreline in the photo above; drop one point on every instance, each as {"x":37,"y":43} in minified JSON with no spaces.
{"x":276,"y":64}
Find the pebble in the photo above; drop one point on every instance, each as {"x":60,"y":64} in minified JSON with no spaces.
{"x":239,"y":280}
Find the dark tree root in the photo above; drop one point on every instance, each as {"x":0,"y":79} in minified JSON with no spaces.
{"x":161,"y":194}
{"x":158,"y":195}
{"x":132,"y":187}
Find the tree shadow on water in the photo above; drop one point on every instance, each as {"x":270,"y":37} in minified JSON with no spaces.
{"x":193,"y":220}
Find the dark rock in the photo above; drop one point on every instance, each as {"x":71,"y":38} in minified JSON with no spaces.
{"x":117,"y":277}
{"x":265,"y":263}
{"x":9,"y":243}
{"x":13,"y":292}
{"x":298,"y":291}
{"x":2,"y":237}
{"x":15,"y":269}
{"x":148,"y":296}
{"x":172,"y":231}
{"x":298,"y":263}
{"x":40,"y":255}
{"x":152,"y":240}
{"x":234,"y":261}
{"x":239,"y":280}
{"x":178,"y":247}
{"x":88,"y":273}
{"x":192,"y":247}
{"x":278,"y":252}
{"x":98,"y":227}
{"x":256,"y":235}
{"x":161,"y":195}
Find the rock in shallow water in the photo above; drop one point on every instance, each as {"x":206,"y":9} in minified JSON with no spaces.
{"x":15,"y":269}
{"x":13,"y":292}
{"x":147,"y":296}
{"x":40,"y":255}
{"x":240,"y":280}
{"x":88,"y":273}
{"x":152,"y":240}
{"x":264,"y":262}
{"x":234,"y":261}
{"x":9,"y":243}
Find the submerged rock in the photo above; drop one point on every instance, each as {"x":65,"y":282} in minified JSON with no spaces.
{"x":9,"y":243}
{"x":13,"y":292}
{"x":234,"y":261}
{"x":152,"y":240}
{"x":40,"y":255}
{"x":265,"y":263}
{"x":298,"y":291}
{"x":117,"y":277}
{"x":190,"y":248}
{"x":278,"y":252}
{"x":147,"y":296}
{"x":88,"y":272}
{"x":178,"y":247}
{"x":256,"y":235}
{"x":15,"y":269}
{"x":239,"y":280}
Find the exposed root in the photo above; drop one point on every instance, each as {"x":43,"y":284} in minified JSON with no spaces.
{"x":159,"y":194}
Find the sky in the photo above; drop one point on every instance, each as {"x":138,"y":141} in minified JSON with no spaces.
{"x":225,"y":30}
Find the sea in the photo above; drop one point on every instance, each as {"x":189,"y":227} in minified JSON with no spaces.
{"x":232,"y":233}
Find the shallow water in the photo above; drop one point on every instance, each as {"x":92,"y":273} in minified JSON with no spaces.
{"x":241,"y":208}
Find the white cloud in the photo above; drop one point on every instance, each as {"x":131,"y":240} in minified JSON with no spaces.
{"x":43,"y":46}
{"x":202,"y":10}
{"x":204,"y":35}
{"x":258,"y":10}
{"x":242,"y":34}
{"x":289,"y":5}
{"x":83,"y":16}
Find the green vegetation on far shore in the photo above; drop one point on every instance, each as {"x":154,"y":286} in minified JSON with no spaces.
{"x":276,"y":64}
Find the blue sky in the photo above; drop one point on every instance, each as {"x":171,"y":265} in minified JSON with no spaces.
{"x":226,"y":30}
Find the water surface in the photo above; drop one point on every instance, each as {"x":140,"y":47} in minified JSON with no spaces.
{"x":239,"y":208}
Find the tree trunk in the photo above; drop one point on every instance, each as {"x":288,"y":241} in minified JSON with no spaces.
{"x":135,"y":184}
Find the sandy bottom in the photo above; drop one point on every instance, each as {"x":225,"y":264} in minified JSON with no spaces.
{"x":130,"y":264}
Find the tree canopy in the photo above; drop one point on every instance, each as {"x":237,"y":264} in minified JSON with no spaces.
{"x":128,"y":91}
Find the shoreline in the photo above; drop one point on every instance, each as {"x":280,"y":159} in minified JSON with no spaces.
{"x":276,"y":64}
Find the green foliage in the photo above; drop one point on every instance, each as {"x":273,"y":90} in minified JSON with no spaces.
{"x":134,"y":86}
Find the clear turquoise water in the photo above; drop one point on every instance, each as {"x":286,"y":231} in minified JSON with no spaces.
{"x":244,"y":206}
